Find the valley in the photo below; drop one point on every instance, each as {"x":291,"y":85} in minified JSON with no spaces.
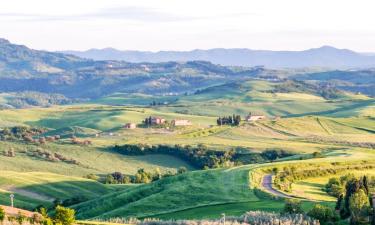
{"x":177,"y":140}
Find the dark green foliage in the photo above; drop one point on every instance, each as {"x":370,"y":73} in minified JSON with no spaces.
{"x":229,"y":120}
{"x":355,"y":202}
{"x":324,"y":214}
{"x":74,"y":200}
{"x":2,"y":214}
{"x":198,"y":156}
{"x":292,"y":206}
{"x":335,"y":187}
{"x":141,"y":176}
{"x":265,"y":156}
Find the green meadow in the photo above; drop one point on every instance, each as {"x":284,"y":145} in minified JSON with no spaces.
{"x":307,"y":125}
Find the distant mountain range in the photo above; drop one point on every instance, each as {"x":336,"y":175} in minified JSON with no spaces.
{"x":326,"y":56}
{"x":43,"y":78}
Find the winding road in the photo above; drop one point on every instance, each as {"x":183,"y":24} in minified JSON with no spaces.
{"x":267,"y":185}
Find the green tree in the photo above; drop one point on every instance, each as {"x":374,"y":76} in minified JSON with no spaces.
{"x":324,"y":214}
{"x":2,"y":214}
{"x":64,"y":216}
{"x":109,"y":179}
{"x":292,"y":206}
{"x":359,"y":206}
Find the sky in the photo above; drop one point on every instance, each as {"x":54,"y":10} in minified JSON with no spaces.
{"x":155,"y":25}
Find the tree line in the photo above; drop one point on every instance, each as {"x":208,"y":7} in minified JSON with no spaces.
{"x":142,"y":176}
{"x":200,"y":156}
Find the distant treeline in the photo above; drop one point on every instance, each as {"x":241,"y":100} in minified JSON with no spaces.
{"x":324,"y":90}
{"x":201,"y":156}
{"x":30,"y":98}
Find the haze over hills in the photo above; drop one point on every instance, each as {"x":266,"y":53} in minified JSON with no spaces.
{"x":325,"y":56}
{"x":43,"y":78}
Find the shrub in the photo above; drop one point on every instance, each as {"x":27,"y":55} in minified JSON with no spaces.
{"x":182,"y":169}
{"x":20,"y":218}
{"x":64,"y":216}
{"x":2,"y":214}
{"x":323,"y":213}
{"x":292,"y":206}
{"x":92,"y":176}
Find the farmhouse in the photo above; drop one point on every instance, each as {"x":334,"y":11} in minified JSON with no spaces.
{"x":181,"y":122}
{"x":157,"y":120}
{"x":255,"y":117}
{"x":130,"y":126}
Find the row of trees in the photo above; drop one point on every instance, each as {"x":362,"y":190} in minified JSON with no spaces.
{"x":199,"y":156}
{"x":229,"y":120}
{"x":141,"y":176}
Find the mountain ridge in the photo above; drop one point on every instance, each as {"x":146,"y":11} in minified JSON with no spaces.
{"x":325,"y":56}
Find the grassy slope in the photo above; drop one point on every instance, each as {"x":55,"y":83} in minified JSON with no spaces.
{"x":91,"y":159}
{"x":34,"y":188}
{"x":181,"y":192}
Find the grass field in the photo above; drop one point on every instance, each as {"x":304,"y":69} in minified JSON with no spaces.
{"x":34,"y":188}
{"x":342,"y":130}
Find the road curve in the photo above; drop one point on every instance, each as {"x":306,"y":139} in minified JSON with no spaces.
{"x":267,"y":185}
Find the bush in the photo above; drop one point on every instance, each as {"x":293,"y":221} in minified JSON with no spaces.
{"x":92,"y":176}
{"x":64,"y":216}
{"x":292,"y":206}
{"x":21,"y":218}
{"x":323,"y":213}
{"x":2,"y":214}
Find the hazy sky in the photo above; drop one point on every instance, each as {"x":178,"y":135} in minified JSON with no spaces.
{"x":189,"y":24}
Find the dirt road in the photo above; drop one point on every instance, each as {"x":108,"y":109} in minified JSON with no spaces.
{"x":267,"y":185}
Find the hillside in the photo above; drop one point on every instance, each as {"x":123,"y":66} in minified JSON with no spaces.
{"x":325,"y":56}
{"x":38,"y":78}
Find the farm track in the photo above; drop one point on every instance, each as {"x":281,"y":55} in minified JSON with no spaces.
{"x":267,"y":185}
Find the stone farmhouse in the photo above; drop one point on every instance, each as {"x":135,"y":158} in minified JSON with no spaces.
{"x":255,"y":117}
{"x":181,"y":122}
{"x":130,"y":126}
{"x":157,"y":120}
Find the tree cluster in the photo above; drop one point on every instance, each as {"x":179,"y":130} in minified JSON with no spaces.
{"x":355,"y":202}
{"x":229,"y":120}
{"x":199,"y":156}
{"x":141,"y":176}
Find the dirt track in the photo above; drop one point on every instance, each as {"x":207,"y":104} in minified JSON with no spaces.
{"x":267,"y":185}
